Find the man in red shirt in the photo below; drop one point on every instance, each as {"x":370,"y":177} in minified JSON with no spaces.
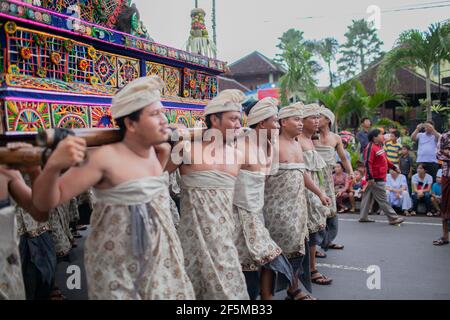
{"x":377,"y":166}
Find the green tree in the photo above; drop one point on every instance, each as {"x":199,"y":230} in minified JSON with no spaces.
{"x":327,"y":49}
{"x":362,"y":48}
{"x":297,"y":57}
{"x":418,"y":49}
{"x":351,"y":98}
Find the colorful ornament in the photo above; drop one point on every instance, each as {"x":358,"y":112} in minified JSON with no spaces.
{"x":68,"y":45}
{"x":25,"y":53}
{"x":13,"y":69}
{"x":192,"y":84}
{"x":41,"y":72}
{"x":93,"y":80}
{"x":11,"y":27}
{"x":55,"y":57}
{"x":83,"y":64}
{"x":39,"y":39}
{"x":186,"y":93}
{"x":92,"y":53}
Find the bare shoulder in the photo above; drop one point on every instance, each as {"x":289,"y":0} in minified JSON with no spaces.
{"x":104,"y":154}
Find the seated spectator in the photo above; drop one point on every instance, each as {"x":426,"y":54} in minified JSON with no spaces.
{"x":341,"y":186}
{"x":436,"y":193}
{"x":359,"y":185}
{"x":421,"y":184}
{"x":397,"y":192}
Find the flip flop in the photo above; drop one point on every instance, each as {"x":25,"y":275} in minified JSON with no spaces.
{"x":320,"y":254}
{"x":440,"y":242}
{"x":295,"y":296}
{"x":321,"y":280}
{"x":336,"y":246}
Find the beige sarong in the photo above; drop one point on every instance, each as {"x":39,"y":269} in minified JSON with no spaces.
{"x":206,"y":233}
{"x":61,"y":234}
{"x":317,"y":212}
{"x":285,"y":210}
{"x":252,"y":239}
{"x":11,"y":279}
{"x":133,"y":251}
{"x":328,"y":154}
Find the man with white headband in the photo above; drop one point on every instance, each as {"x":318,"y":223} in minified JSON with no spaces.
{"x":208,"y":174}
{"x":259,"y":255}
{"x":132,"y":251}
{"x":315,"y":165}
{"x":327,"y":145}
{"x":285,"y":208}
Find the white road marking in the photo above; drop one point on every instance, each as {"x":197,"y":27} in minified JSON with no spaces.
{"x":341,"y":267}
{"x":406,"y":222}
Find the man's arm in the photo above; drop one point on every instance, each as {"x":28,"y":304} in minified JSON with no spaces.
{"x":309,"y":183}
{"x":416,"y":132}
{"x":340,"y":150}
{"x":21,"y":192}
{"x":51,"y":189}
{"x":370,"y":157}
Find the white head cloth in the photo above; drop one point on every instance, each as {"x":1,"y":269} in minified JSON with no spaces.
{"x":136,"y":95}
{"x":327,"y":113}
{"x":311,"y":110}
{"x":293,"y":110}
{"x":226,"y":101}
{"x":264,"y":109}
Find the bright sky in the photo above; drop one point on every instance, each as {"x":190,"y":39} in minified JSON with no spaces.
{"x":244,"y":26}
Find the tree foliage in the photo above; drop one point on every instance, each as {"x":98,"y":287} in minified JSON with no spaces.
{"x":296,"y":55}
{"x":362,"y":48}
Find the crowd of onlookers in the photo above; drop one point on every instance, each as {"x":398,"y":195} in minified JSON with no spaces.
{"x":416,"y":184}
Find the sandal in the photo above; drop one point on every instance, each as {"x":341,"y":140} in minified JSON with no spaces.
{"x":335,"y":246}
{"x":320,"y":254}
{"x":440,"y":242}
{"x":297,"y":296}
{"x":321,"y":279}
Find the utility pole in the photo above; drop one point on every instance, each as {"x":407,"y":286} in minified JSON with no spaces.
{"x":196,"y":4}
{"x":214,"y":22}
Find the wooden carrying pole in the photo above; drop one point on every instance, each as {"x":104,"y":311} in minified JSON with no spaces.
{"x":45,"y":140}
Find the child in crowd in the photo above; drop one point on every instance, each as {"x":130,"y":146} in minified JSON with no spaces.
{"x":406,"y":164}
{"x":436,"y":193}
{"x":358,"y":187}
{"x":392,"y":148}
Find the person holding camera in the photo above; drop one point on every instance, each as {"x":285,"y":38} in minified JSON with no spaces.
{"x":427,"y":138}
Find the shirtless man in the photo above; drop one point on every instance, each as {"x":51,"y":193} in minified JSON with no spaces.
{"x":257,"y":250}
{"x":133,"y":251}
{"x":327,"y":145}
{"x":315,"y":165}
{"x":285,"y":208}
{"x":208,"y":170}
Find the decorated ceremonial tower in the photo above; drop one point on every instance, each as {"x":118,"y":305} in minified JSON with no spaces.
{"x":62,"y":61}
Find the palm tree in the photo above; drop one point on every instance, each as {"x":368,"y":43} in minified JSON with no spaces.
{"x":351,"y":98}
{"x":297,"y":57}
{"x":418,"y":49}
{"x":327,"y":49}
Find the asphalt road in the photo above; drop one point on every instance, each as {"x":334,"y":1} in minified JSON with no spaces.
{"x":409,"y":266}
